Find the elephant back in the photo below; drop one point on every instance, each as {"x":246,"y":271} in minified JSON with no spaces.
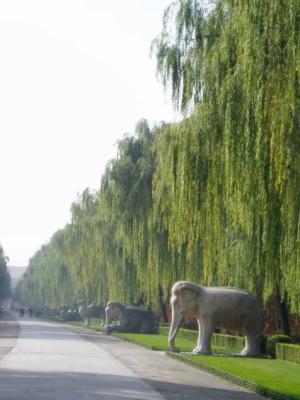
{"x":95,"y":311}
{"x":138,"y":312}
{"x":71,"y":315}
{"x":136,"y":319}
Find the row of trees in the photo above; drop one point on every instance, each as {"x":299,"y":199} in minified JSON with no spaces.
{"x":5,"y":288}
{"x":215,"y":198}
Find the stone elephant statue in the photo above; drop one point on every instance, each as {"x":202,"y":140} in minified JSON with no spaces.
{"x":90,"y":311}
{"x":70,"y":315}
{"x":216,"y":307}
{"x":131,"y":319}
{"x":96,"y":311}
{"x":62,"y":310}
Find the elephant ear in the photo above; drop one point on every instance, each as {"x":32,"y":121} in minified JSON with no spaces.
{"x":181,"y":286}
{"x":114,"y":304}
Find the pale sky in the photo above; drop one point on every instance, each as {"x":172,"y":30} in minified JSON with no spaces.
{"x":74,"y":77}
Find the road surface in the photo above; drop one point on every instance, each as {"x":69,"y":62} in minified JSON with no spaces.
{"x":58,"y":362}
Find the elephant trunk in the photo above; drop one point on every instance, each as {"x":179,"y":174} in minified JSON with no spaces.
{"x":177,"y":318}
{"x":106,"y":323}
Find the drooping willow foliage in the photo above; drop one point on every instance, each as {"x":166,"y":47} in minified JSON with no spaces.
{"x":5,"y":288}
{"x":215,"y":198}
{"x":239,"y":61}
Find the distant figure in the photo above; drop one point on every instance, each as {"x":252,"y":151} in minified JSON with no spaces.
{"x":22,"y":312}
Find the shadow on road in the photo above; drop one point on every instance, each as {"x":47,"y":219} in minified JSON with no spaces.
{"x":62,"y":386}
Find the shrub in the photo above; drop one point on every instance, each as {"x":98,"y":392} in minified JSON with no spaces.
{"x":296,"y":338}
{"x":164,"y":330}
{"x":288,"y":352}
{"x":263,"y":344}
{"x":273,"y":340}
{"x":230,"y":343}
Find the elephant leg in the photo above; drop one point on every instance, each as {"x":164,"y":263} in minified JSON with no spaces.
{"x":108,"y":330}
{"x":246,"y":349}
{"x":252,"y":345}
{"x":175,"y":324}
{"x":204,"y":346}
{"x":200,"y":331}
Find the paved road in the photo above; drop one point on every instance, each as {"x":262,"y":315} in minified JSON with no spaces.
{"x":57,"y":362}
{"x":9,"y":331}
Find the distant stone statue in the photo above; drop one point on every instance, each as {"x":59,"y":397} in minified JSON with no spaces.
{"x":92,"y":311}
{"x":216,"y":307}
{"x":69,"y":314}
{"x":131,"y":319}
{"x":96,"y":311}
{"x":82,"y":311}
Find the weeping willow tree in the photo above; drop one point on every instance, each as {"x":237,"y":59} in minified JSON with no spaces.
{"x":47,"y":280}
{"x":126,"y":201}
{"x":235,"y":163}
{"x":82,"y":249}
{"x":5,"y":288}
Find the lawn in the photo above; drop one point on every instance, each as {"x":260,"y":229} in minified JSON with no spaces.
{"x":160,"y":342}
{"x":155,"y":342}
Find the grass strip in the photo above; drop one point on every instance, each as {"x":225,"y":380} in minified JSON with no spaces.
{"x":160,"y":342}
{"x":154,"y":342}
{"x":276,"y":379}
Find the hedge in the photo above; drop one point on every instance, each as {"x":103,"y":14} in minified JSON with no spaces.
{"x":271,"y":342}
{"x":288,"y":352}
{"x":230,"y":344}
{"x":182,"y":333}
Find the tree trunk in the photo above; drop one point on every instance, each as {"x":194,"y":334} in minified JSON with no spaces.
{"x":284,"y":314}
{"x":163,"y":306}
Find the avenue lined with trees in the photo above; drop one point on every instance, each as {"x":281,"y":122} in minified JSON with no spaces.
{"x":215,"y":198}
